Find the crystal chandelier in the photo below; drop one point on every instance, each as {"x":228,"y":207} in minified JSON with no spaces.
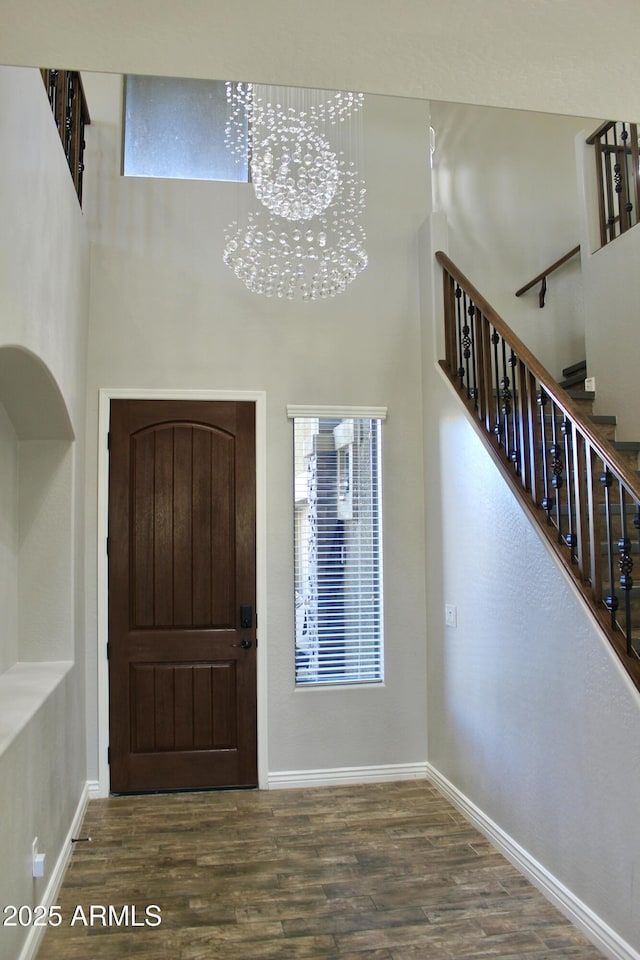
{"x":305,"y":239}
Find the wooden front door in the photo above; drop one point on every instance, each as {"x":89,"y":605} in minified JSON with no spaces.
{"x":182,"y":636}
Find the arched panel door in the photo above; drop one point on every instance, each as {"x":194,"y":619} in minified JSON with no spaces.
{"x":182,"y":635}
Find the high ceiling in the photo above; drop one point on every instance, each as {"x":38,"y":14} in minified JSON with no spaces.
{"x":560,"y":56}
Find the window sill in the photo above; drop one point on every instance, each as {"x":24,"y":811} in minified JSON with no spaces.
{"x":24,"y":688}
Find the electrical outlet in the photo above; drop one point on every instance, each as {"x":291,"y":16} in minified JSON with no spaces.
{"x":450,"y":615}
{"x":590,"y":384}
{"x":37,"y":860}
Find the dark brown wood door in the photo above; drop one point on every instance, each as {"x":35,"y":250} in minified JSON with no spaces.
{"x":182,"y":637}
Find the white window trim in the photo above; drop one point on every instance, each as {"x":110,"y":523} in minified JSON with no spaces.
{"x":374,"y":413}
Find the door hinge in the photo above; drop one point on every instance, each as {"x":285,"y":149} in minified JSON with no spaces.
{"x":109,"y":440}
{"x":107,"y":546}
{"x":108,"y":652}
{"x":109,"y":756}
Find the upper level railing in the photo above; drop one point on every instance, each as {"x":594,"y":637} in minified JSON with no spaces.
{"x":580,"y":491}
{"x":541,"y":278}
{"x":71,"y":114}
{"x":616,"y":146}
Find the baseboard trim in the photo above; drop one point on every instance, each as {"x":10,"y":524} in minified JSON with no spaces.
{"x":285,"y":779}
{"x":93,"y":790}
{"x":600,"y":934}
{"x":32,"y":943}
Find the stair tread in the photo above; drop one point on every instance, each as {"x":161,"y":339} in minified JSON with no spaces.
{"x":626,"y":444}
{"x":574,"y":368}
{"x":582,"y":394}
{"x":572,"y":381}
{"x":603,"y":419}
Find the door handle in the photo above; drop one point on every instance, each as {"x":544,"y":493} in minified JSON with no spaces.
{"x":245,"y":644}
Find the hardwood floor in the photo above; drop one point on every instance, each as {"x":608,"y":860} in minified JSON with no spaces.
{"x":373,"y":872}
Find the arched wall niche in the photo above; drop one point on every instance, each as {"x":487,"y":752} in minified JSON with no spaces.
{"x":36,"y":528}
{"x":31,"y":396}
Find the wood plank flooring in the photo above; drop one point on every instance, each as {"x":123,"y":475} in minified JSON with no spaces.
{"x":372,"y":872}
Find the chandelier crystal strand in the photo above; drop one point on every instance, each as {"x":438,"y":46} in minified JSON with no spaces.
{"x":313,"y":259}
{"x":294,"y":172}
{"x":306,"y":240}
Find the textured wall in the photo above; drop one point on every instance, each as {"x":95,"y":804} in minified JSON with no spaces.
{"x":539,"y":55}
{"x":43,"y":310}
{"x":529,"y":714}
{"x":167,"y":313}
{"x":612,"y":290}
{"x":506,"y":181}
{"x":8,"y":541}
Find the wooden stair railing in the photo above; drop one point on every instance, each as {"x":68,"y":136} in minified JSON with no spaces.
{"x":616,"y":146}
{"x":545,"y":273}
{"x":71,"y":114}
{"x":578,"y":489}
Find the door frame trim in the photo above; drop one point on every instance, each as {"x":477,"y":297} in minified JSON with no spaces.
{"x":106,"y":395}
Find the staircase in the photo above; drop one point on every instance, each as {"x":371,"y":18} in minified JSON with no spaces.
{"x":578,"y":484}
{"x":573,"y":382}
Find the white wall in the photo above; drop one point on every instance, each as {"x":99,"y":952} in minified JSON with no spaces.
{"x":43,"y":312}
{"x":45,"y":560}
{"x":43,"y":257}
{"x":612,"y":293}
{"x":506,"y":181}
{"x":537,"y":55}
{"x":8,"y":542}
{"x":167,"y":313}
{"x":530,"y":716}
{"x":448,"y":51}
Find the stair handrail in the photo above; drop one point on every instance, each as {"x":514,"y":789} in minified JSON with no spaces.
{"x":542,"y":276}
{"x":550,"y":453}
{"x":551,"y":385}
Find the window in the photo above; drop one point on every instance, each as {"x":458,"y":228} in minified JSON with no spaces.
{"x":175,"y":128}
{"x":338,"y":545}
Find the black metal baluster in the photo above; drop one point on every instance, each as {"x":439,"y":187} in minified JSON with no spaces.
{"x":625,"y":566}
{"x":474,"y":366}
{"x":608,"y":179}
{"x":505,"y":401}
{"x":80,"y":170}
{"x":628,"y":206}
{"x":52,"y":91}
{"x":547,"y":501}
{"x":68,"y":118}
{"x":555,"y":451}
{"x":617,"y":179}
{"x":611,"y":600}
{"x":514,"y":456}
{"x":466,"y":345}
{"x":495,"y":340}
{"x":571,"y":538}
{"x":459,"y":319}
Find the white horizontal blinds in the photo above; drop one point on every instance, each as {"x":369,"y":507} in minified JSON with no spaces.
{"x":338,"y":549}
